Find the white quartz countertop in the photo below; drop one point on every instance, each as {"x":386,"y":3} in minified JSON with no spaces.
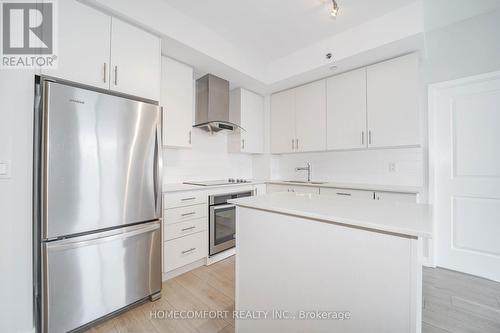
{"x":354,"y":186}
{"x":177,"y":187}
{"x":407,"y":219}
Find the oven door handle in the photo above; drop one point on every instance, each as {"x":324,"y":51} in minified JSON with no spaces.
{"x":217,"y":207}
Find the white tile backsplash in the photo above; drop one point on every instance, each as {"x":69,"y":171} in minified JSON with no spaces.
{"x":208,"y":159}
{"x":363,"y":166}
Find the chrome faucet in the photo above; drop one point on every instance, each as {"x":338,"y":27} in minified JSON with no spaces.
{"x":309,"y":171}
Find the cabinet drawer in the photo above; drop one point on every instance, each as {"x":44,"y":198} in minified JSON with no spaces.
{"x":348,"y":193}
{"x":176,"y":230}
{"x":272,"y":188}
{"x":396,"y":197}
{"x":181,"y":199}
{"x":185,"y":250}
{"x":176,"y":215}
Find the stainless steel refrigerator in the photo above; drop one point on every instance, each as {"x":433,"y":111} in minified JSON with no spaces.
{"x":97,"y":204}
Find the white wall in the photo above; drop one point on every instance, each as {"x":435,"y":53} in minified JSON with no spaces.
{"x":16,"y":121}
{"x":208,"y":159}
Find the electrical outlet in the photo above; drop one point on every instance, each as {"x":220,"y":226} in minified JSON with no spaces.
{"x":392,"y":167}
{"x":5,"y":169}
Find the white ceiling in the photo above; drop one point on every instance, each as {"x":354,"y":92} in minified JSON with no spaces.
{"x":271,"y":29}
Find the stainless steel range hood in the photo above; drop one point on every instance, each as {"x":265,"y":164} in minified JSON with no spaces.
{"x":212,"y":105}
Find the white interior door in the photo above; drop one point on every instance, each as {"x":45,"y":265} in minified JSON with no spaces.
{"x":465,"y":148}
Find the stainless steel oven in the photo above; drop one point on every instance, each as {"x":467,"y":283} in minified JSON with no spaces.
{"x":222,"y":221}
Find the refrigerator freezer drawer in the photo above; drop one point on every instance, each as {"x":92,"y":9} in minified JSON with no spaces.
{"x":91,"y":276}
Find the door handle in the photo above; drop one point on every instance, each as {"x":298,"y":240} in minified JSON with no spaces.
{"x":242,"y":143}
{"x":105,"y":72}
{"x":116,"y":75}
{"x":297,"y":144}
{"x":370,"y":137}
{"x":157,"y":171}
{"x":102,"y":237}
{"x":189,"y":137}
{"x":362,"y":137}
{"x":293,"y":144}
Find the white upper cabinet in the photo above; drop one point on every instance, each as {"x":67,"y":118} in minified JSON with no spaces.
{"x":310,"y":117}
{"x":177,"y":96}
{"x":83,"y":52}
{"x":346,"y":110}
{"x":283,"y":122}
{"x":135,"y":61}
{"x":392,"y":103}
{"x":246,"y":109}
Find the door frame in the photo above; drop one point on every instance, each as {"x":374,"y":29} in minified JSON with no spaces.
{"x":434,"y":91}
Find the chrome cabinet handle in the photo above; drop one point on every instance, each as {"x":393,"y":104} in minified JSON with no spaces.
{"x":187,"y":251}
{"x":187,"y":214}
{"x":186,"y":229}
{"x":346,"y":194}
{"x":297,"y":144}
{"x":105,"y":72}
{"x":370,"y":137}
{"x":189,"y":137}
{"x":242,"y":143}
{"x":362,"y":137}
{"x":186,"y":199}
{"x":116,"y":75}
{"x":293,"y":144}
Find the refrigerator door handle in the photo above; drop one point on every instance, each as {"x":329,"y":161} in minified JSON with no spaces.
{"x":157,"y":172}
{"x":100,"y":237}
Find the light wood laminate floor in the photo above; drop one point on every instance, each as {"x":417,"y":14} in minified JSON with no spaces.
{"x":452,"y":302}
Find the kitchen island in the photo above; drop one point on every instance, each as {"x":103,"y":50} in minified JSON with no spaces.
{"x":311,"y":263}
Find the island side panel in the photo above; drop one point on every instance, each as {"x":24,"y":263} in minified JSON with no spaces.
{"x":294,"y":264}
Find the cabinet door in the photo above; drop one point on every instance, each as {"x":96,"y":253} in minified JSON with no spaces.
{"x":252,"y":120}
{"x":396,"y":197}
{"x":177,"y":101}
{"x":135,"y":61}
{"x":347,"y":193}
{"x":310,"y":116}
{"x":346,"y":110}
{"x":392,"y":102}
{"x":283,"y":122}
{"x":83,"y":51}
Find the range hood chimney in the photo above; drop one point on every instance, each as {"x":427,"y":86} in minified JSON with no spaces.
{"x":212,"y":105}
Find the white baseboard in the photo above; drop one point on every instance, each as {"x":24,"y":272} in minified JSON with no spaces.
{"x":181,"y":270}
{"x":221,"y":256}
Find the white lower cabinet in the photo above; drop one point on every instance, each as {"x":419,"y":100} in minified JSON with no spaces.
{"x":272,"y":188}
{"x":347,"y":193}
{"x":396,"y":197}
{"x":181,"y":229}
{"x":185,"y":225}
{"x":185,"y":250}
{"x":180,"y":214}
{"x":260,"y":189}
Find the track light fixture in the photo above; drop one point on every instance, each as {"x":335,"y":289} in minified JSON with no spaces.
{"x":335,"y":9}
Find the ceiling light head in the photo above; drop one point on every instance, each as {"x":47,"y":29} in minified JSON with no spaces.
{"x":335,"y":9}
